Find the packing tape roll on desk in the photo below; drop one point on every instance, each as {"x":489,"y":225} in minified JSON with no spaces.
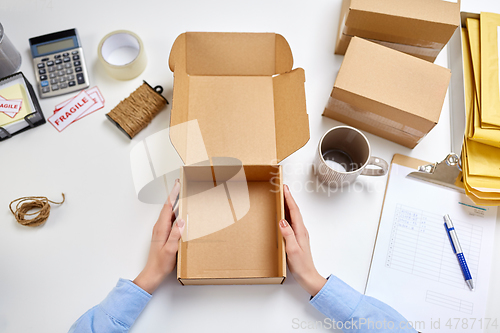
{"x":122,"y":54}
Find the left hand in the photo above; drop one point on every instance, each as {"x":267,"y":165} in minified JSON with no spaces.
{"x":164,"y":245}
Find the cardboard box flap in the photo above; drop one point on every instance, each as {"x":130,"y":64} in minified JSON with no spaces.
{"x":218,"y":53}
{"x":291,"y":119}
{"x":235,"y":115}
{"x":256,"y":116}
{"x":425,"y":23}
{"x":388,"y":77}
{"x":257,"y":119}
{"x":232,"y":281}
{"x":177,"y":55}
{"x":439,"y":11}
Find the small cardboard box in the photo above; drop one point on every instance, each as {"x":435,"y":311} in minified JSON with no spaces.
{"x":251,"y":111}
{"x":388,"y":93}
{"x":417,"y":27}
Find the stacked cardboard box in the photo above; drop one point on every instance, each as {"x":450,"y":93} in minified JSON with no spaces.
{"x":388,"y":93}
{"x":418,"y":27}
{"x":386,"y":89}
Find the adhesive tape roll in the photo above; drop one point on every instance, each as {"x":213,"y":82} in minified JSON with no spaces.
{"x":122,"y":54}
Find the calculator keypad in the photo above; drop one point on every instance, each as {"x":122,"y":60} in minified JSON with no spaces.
{"x":61,"y":73}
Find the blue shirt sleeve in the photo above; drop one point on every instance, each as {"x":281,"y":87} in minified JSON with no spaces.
{"x":352,"y":311}
{"x":116,"y":313}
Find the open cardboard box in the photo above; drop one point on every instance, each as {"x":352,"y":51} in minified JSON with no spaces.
{"x":420,"y":28}
{"x":250,"y":108}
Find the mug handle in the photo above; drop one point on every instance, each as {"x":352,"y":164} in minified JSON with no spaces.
{"x":377,"y":161}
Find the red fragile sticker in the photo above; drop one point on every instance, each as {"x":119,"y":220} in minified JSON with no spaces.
{"x":95,"y":94}
{"x":10,"y":107}
{"x":71,"y":111}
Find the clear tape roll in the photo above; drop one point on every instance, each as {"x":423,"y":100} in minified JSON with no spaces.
{"x":122,"y":54}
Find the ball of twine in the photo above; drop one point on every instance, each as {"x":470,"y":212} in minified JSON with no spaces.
{"x":135,"y":112}
{"x":25,"y":204}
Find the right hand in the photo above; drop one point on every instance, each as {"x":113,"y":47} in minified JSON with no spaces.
{"x":298,"y":250}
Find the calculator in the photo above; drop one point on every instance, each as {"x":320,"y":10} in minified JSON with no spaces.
{"x":59,"y":63}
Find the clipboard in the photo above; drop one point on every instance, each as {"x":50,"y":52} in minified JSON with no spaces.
{"x":411,"y":221}
{"x":403,"y":160}
{"x":406,"y":161}
{"x":441,"y":173}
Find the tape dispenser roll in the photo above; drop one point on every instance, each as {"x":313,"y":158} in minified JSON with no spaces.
{"x":122,"y":54}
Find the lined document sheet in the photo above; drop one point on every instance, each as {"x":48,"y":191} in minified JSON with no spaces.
{"x":414,"y":268}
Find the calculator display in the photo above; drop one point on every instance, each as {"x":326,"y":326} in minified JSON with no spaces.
{"x":56,"y":46}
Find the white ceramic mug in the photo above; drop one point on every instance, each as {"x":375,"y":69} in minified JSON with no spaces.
{"x":343,"y":154}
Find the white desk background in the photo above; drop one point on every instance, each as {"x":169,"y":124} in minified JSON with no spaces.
{"x":51,"y":275}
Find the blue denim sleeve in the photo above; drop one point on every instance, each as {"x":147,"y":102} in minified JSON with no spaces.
{"x":116,"y":313}
{"x":354,"y":312}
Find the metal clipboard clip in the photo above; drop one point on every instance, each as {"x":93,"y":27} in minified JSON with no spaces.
{"x":444,"y":173}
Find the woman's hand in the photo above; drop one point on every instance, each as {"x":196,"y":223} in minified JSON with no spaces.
{"x":164,"y":246}
{"x":297,"y":246}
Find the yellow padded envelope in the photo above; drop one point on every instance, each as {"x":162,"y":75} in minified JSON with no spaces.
{"x":480,"y":169}
{"x":481,"y":148}
{"x":483,"y":160}
{"x":474,"y":185}
{"x":468,"y":85}
{"x":474,"y":37}
{"x":472,"y":70}
{"x":490,"y":86}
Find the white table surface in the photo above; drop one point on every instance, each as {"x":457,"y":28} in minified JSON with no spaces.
{"x":51,"y":275}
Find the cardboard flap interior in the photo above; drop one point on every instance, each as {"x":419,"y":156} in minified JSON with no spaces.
{"x":243,"y":109}
{"x":235,"y":115}
{"x":382,"y":75}
{"x":291,"y":120}
{"x":218,"y":53}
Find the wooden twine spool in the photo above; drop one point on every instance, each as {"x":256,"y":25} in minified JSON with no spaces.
{"x":135,"y":112}
{"x":25,"y":204}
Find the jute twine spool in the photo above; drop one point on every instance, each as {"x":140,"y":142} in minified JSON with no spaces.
{"x":25,"y":204}
{"x":135,"y":112}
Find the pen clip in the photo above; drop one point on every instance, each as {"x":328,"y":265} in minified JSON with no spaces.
{"x":450,"y":238}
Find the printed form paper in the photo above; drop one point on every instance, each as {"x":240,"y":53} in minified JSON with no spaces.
{"x":414,"y":268}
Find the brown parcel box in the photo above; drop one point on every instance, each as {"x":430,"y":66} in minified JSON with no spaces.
{"x":250,"y":105}
{"x":417,"y":27}
{"x":388,"y":93}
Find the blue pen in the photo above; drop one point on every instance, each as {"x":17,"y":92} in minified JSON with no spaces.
{"x":452,"y":235}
